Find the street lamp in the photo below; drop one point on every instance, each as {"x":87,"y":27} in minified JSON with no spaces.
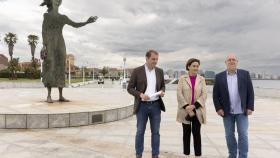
{"x":83,"y":74}
{"x":41,"y":69}
{"x":69,"y":73}
{"x":124,"y":76}
{"x":93,"y":73}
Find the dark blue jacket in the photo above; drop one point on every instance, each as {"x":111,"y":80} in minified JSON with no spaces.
{"x":245,"y":87}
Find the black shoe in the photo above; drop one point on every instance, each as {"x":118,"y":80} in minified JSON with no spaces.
{"x":138,"y":156}
{"x":155,"y":156}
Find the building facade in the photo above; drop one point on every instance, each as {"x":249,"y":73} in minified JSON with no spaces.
{"x":3,"y":62}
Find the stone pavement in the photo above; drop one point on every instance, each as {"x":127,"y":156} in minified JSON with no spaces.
{"x":116,"y":139}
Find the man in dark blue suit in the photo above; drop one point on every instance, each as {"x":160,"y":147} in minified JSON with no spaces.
{"x":233,"y":97}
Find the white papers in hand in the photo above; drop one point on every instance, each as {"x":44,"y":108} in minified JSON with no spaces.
{"x":155,"y":94}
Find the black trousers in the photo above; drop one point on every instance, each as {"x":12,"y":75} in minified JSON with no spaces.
{"x":194,"y":127}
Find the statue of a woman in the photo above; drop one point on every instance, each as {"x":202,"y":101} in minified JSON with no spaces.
{"x":54,"y":47}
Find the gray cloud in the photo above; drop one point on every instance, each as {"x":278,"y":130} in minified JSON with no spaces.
{"x":178,"y":29}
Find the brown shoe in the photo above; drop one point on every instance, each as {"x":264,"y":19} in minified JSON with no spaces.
{"x":138,"y":156}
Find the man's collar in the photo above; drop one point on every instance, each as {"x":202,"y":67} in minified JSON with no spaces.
{"x":147,"y":68}
{"x":235,"y":72}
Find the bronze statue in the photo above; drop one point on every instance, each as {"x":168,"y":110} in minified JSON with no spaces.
{"x":54,"y":51}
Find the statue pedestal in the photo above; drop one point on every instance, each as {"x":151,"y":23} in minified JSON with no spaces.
{"x":26,"y":108}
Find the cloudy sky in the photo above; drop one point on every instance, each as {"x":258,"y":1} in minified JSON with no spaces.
{"x":177,"y":29}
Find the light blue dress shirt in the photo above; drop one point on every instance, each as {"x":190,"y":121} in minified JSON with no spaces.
{"x":235,"y":101}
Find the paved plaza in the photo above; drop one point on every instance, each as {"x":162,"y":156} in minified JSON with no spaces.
{"x":116,"y":139}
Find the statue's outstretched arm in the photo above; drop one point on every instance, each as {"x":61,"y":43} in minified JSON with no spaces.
{"x":80,"y":24}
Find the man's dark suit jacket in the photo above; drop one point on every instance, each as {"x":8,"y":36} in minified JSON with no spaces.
{"x":221,"y":94}
{"x":138,"y":84}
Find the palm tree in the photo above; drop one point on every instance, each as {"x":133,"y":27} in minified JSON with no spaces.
{"x":13,"y":67}
{"x":33,"y":41}
{"x":10,"y":39}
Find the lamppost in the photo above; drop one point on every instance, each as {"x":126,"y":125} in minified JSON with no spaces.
{"x":93,"y":73}
{"x":124,"y":76}
{"x":69,"y":73}
{"x":41,"y":69}
{"x":83,"y":74}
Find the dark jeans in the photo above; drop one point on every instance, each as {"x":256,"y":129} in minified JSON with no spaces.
{"x":194,"y":127}
{"x":153,"y":113}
